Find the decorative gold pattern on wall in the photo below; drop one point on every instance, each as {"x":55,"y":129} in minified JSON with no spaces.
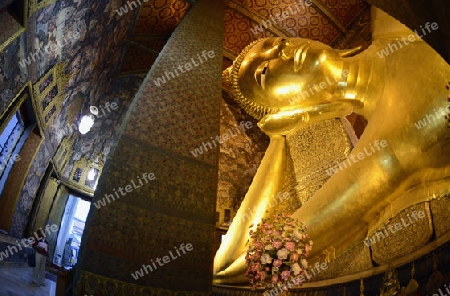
{"x":441,"y":208}
{"x":354,"y":260}
{"x":311,"y":149}
{"x":49,"y":94}
{"x":239,"y":158}
{"x":45,"y":204}
{"x":411,"y":236}
{"x":163,"y":125}
{"x":16,"y":182}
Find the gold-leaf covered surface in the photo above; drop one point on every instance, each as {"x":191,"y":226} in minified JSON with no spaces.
{"x":409,"y":238}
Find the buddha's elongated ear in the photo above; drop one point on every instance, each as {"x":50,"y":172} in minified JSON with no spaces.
{"x":345,"y":53}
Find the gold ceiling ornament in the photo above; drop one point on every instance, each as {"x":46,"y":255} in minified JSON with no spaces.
{"x":361,"y":287}
{"x":391,"y":284}
{"x":436,"y":279}
{"x":412,"y":286}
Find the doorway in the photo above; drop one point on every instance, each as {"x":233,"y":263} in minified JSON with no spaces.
{"x":71,"y":231}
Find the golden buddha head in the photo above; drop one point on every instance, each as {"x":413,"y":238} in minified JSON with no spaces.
{"x":273,"y":74}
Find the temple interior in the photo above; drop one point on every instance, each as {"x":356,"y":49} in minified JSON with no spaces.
{"x":153,"y":140}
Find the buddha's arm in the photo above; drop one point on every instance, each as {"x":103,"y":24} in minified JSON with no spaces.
{"x":266,"y":185}
{"x":287,"y":120}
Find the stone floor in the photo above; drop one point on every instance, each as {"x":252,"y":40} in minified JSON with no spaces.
{"x":16,"y":281}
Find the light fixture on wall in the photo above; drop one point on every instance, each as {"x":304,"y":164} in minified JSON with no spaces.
{"x":86,"y":123}
{"x":94,"y":110}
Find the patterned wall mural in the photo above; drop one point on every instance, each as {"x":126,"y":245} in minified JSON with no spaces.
{"x":12,"y":76}
{"x":88,"y":37}
{"x":239,"y":159}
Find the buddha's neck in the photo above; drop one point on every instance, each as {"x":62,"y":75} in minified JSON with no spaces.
{"x":365,"y":82}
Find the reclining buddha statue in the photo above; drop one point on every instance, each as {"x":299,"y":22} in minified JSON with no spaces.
{"x":291,"y":83}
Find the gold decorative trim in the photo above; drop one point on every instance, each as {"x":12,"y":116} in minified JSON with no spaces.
{"x":229,"y":54}
{"x":35,"y":5}
{"x":15,"y":105}
{"x":11,"y":39}
{"x":59,"y":81}
{"x":77,"y":188}
{"x":61,"y":160}
{"x":25,"y":177}
{"x":414,"y":235}
{"x":20,"y":31}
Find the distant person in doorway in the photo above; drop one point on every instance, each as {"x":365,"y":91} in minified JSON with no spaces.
{"x":41,"y":247}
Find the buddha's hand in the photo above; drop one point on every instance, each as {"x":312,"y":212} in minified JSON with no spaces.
{"x":287,"y":120}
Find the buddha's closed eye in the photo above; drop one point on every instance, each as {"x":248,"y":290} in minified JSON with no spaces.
{"x":260,"y":74}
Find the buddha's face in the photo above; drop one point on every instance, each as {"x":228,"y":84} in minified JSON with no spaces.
{"x":279,"y":72}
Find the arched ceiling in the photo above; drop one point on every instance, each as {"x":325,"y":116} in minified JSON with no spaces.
{"x":341,"y":24}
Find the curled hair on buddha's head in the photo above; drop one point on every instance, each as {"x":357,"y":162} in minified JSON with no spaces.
{"x":254,"y":109}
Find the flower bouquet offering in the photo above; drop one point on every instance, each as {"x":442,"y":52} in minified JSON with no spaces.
{"x":276,"y":257}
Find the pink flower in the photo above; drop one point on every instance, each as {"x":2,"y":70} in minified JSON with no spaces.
{"x":259,"y":245}
{"x":307,"y":248}
{"x":277,"y":244}
{"x":277,"y":262}
{"x":290,"y":246}
{"x":269,"y":247}
{"x":256,"y":267}
{"x":261,"y":275}
{"x":294,"y":257}
{"x":297,"y":234}
{"x":265,"y":258}
{"x":256,"y":256}
{"x":296,"y":268}
{"x":274,"y":279}
{"x":285,"y":274}
{"x":282,"y":253}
